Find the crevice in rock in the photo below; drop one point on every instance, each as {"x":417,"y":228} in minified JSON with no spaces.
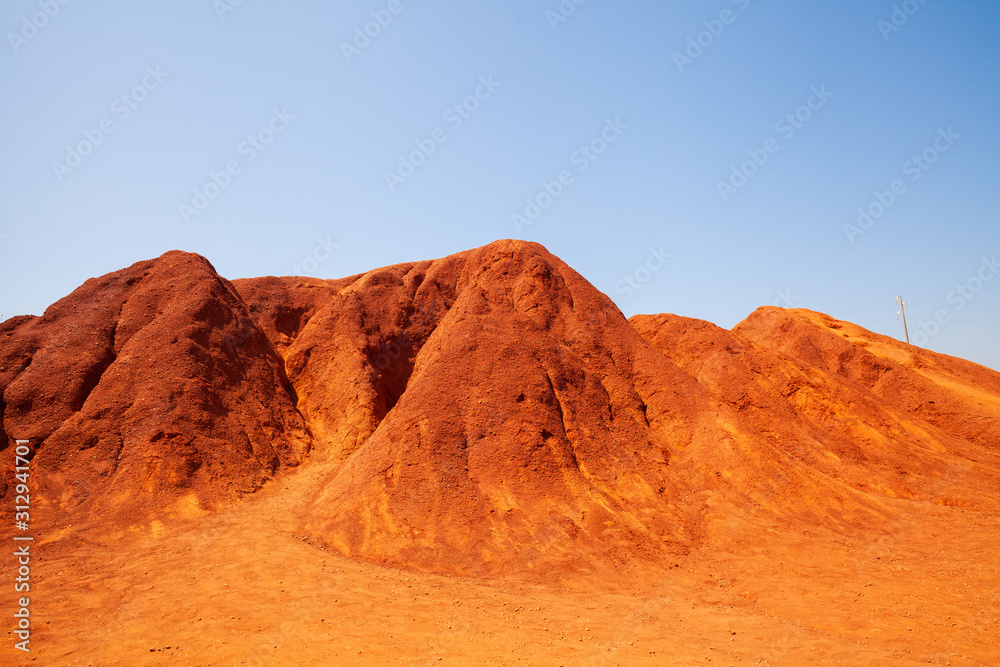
{"x":562,"y":417}
{"x":391,"y":363}
{"x":93,"y":377}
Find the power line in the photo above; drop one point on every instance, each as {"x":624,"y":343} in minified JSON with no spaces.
{"x":858,"y":310}
{"x":992,"y":310}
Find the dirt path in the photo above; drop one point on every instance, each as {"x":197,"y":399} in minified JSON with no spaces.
{"x":237,"y":588}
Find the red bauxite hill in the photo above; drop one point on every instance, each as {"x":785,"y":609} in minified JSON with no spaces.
{"x":146,"y":385}
{"x":490,"y":412}
{"x":492,"y":415}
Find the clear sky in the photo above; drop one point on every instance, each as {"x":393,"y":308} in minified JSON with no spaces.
{"x":711,"y":152}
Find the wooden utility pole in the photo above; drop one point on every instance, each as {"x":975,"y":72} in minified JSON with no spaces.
{"x":902,"y":312}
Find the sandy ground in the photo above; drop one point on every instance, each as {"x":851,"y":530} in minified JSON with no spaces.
{"x":235,"y":587}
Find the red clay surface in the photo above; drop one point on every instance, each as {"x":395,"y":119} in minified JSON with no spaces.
{"x":479,"y":460}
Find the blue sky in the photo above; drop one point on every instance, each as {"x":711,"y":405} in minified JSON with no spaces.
{"x":710,"y":152}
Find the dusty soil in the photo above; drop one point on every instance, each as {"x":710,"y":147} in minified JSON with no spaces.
{"x":238,"y":587}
